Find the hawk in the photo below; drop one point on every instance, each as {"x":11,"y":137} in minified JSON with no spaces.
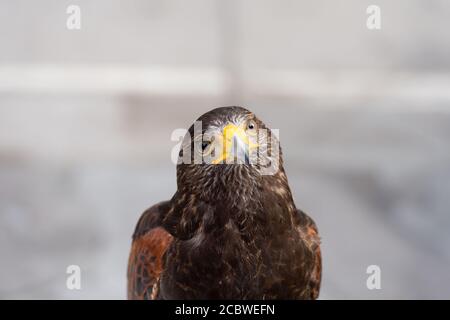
{"x":231,"y":230}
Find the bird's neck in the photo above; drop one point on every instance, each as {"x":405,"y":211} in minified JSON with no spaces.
{"x":228,"y":203}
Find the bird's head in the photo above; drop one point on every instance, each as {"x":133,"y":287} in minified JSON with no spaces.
{"x":226,"y":145}
{"x":229,"y":169}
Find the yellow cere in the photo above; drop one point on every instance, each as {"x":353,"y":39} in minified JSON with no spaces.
{"x":229,"y":132}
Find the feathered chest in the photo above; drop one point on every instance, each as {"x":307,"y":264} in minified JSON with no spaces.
{"x":248,"y":256}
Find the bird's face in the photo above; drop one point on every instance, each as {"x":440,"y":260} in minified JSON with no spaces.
{"x":228,"y":140}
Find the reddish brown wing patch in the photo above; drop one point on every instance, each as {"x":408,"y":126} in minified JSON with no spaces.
{"x":316,"y":276}
{"x":310,"y":235}
{"x":313,"y":241}
{"x":145,"y":264}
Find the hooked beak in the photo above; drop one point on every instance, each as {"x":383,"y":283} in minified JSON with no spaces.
{"x":236,"y":146}
{"x":239,"y":151}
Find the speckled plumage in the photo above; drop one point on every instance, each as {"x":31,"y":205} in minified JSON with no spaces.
{"x":229,"y":232}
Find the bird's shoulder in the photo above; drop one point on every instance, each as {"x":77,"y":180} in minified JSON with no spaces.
{"x":309,"y":233}
{"x":151,"y":218}
{"x":308,"y":228}
{"x":145,"y":264}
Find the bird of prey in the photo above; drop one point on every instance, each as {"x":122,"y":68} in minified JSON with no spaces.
{"x":231,"y":230}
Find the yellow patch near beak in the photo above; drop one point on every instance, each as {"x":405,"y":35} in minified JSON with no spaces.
{"x":234,"y":143}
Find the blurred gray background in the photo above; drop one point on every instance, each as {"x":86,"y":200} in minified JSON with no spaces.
{"x":86,"y":118}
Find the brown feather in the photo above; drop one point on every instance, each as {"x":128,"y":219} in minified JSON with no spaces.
{"x":229,"y":232}
{"x":145,"y":263}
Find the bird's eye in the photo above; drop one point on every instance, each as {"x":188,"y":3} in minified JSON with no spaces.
{"x":205,"y":145}
{"x":251,"y":126}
